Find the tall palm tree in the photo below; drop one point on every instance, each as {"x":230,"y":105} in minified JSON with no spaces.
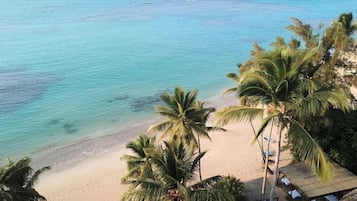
{"x":282,"y":83}
{"x":173,"y":167}
{"x":139,"y":164}
{"x":17,"y":181}
{"x":186,"y":118}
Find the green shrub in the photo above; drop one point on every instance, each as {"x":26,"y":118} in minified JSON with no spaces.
{"x":232,"y":186}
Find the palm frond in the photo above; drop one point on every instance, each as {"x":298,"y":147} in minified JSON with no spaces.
{"x":309,"y":151}
{"x":151,"y":192}
{"x":206,"y":183}
{"x":254,"y":78}
{"x":233,"y":76}
{"x":230,"y":90}
{"x":210,"y":194}
{"x":271,"y":117}
{"x":34,"y":178}
{"x":237,"y":113}
{"x":160,"y":126}
{"x":169,"y":112}
{"x":196,"y":161}
{"x":318,"y":101}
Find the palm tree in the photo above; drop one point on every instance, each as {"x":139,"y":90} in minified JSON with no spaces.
{"x":17,"y":181}
{"x":186,"y":117}
{"x":173,"y":167}
{"x":282,"y":83}
{"x":346,"y":21}
{"x":139,"y":164}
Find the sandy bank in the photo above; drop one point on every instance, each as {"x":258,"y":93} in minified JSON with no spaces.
{"x":98,"y":178}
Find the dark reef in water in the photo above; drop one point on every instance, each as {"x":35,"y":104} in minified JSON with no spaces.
{"x":146,"y":102}
{"x":139,"y":104}
{"x":54,"y":121}
{"x":123,"y":97}
{"x":142,"y":103}
{"x":19,"y":87}
{"x":118,"y":98}
{"x":70,"y":128}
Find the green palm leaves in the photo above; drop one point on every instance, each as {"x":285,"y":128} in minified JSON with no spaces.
{"x":185,"y":116}
{"x":17,"y":181}
{"x":166,"y":171}
{"x":138,"y":164}
{"x":186,"y":119}
{"x":281,"y":80}
{"x":172,"y":166}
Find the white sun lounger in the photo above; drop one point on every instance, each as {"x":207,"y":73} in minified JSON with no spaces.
{"x":294,"y":194}
{"x":285,"y":181}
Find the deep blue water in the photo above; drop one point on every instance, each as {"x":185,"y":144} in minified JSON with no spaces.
{"x":71,"y":69}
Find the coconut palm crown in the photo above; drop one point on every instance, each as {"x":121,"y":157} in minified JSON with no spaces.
{"x":184,"y":116}
{"x":17,"y":181}
{"x":173,"y":167}
{"x":186,"y":119}
{"x":138,"y":164}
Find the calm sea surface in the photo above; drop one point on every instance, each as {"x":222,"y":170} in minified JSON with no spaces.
{"x":74,"y":69}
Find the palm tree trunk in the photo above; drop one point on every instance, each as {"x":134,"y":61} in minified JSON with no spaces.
{"x":276,"y":165}
{"x":266,"y":162}
{"x":199,"y":152}
{"x":260,"y":144}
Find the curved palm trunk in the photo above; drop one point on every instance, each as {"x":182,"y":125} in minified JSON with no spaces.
{"x":199,"y":152}
{"x":276,"y":165}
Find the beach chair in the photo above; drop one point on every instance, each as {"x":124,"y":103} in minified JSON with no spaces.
{"x":285,"y":181}
{"x":294,"y":194}
{"x":269,"y":153}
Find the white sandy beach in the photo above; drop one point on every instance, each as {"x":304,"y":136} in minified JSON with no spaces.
{"x":98,"y":178}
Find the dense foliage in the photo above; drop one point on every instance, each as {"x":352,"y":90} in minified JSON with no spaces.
{"x":336,"y":132}
{"x":296,"y":81}
{"x":231,"y":185}
{"x":166,"y":172}
{"x":17,"y":181}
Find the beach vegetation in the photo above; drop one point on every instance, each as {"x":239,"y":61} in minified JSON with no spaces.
{"x":336,"y":132}
{"x":232,"y":185}
{"x":17,"y":180}
{"x":139,"y":164}
{"x":186,"y":119}
{"x":173,"y":168}
{"x":297,"y":81}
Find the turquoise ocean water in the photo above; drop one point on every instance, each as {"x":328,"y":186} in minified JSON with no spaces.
{"x":74,"y":69}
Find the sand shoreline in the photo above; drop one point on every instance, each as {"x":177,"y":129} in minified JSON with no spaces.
{"x":97,"y":177}
{"x":60,"y":156}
